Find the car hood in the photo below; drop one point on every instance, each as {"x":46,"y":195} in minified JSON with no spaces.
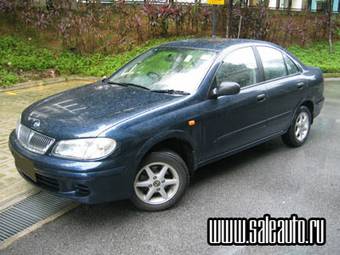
{"x":89,"y":110}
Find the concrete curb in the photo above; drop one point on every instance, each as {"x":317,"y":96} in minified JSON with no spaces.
{"x":49,"y":81}
{"x":332,"y":79}
{"x":17,"y":198}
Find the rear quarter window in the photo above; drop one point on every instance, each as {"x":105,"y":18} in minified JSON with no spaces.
{"x":291,"y":66}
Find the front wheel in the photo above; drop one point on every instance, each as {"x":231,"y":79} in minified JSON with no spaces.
{"x":298,"y":132}
{"x":160,"y":181}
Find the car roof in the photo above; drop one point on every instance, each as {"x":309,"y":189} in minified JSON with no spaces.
{"x":215,"y":44}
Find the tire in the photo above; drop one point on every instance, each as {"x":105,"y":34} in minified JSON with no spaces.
{"x":151,"y":191}
{"x":299,"y":129}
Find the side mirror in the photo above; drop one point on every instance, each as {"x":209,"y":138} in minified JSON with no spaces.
{"x":226,"y":88}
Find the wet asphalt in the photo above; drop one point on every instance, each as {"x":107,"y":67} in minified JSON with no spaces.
{"x":270,"y":178}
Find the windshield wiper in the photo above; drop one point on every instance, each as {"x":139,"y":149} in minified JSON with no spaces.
{"x":128,"y":84}
{"x":167,"y":91}
{"x":170,"y":91}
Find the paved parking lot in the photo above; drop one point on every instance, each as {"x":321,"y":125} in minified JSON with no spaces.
{"x":269,"y":178}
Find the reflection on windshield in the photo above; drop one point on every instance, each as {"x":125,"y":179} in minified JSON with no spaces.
{"x":167,"y":69}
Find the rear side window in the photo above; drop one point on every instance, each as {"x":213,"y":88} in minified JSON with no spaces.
{"x":291,"y":67}
{"x":273,"y":63}
{"x":238,"y":66}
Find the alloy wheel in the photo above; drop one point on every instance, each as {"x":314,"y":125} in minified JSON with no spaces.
{"x":302,"y":124}
{"x":156,"y":183}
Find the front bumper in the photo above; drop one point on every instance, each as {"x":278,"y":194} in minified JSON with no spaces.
{"x":84,"y":181}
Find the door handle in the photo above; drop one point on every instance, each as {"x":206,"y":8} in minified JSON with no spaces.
{"x":300,"y":85}
{"x":261,"y":97}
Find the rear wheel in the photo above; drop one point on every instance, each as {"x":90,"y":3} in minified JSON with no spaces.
{"x":298,"y":132}
{"x":160,"y":182}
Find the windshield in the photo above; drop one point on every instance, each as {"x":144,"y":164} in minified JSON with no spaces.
{"x":165,"y":69}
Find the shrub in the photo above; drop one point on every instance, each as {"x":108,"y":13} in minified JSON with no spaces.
{"x":95,"y":28}
{"x":317,"y":54}
{"x":18,"y":56}
{"x":7,"y":78}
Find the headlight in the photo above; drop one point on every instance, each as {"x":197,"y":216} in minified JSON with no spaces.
{"x":85,"y":149}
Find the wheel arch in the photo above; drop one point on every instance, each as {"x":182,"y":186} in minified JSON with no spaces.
{"x":304,"y":102}
{"x":176,"y":141}
{"x":310,"y":105}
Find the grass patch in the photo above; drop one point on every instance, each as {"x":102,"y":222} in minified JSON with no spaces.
{"x":18,"y":57}
{"x":8,"y":78}
{"x":317,"y":54}
{"x":331,"y":75}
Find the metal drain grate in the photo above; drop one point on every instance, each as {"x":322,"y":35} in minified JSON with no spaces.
{"x":28,"y":212}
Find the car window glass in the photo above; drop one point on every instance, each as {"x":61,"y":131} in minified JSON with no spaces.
{"x":167,"y":69}
{"x":273,"y":63}
{"x":291,"y":67}
{"x":239,"y":66}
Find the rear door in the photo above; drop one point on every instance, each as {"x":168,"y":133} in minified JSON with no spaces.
{"x":285,"y":86}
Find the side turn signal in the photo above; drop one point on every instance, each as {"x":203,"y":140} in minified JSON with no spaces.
{"x":191,"y":123}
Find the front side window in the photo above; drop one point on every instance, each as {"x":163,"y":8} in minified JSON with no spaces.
{"x":273,"y":63}
{"x":167,"y":69}
{"x":239,"y":66}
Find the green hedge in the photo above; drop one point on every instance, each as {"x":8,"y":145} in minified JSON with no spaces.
{"x":318,"y":55}
{"x":18,"y":56}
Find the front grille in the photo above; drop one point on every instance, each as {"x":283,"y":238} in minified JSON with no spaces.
{"x":47,"y":182}
{"x":33,"y":140}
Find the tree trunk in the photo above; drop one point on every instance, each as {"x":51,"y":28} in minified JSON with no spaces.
{"x":214,"y":21}
{"x":290,"y":2}
{"x":278,"y":4}
{"x":229,"y":18}
{"x":309,"y":5}
{"x":239,"y":27}
{"x":330,"y":25}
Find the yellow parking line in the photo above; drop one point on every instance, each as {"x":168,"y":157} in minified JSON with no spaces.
{"x":10,"y":93}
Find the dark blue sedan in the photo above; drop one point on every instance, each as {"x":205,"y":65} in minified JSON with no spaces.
{"x":143,"y":132}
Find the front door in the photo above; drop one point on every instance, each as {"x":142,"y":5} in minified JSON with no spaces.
{"x":233,"y":121}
